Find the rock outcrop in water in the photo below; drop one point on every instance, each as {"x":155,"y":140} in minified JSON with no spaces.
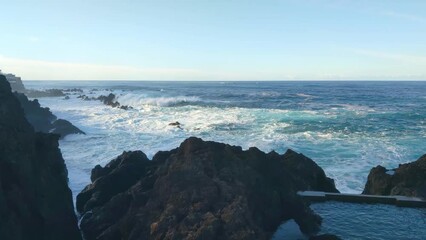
{"x":35,"y":201}
{"x":32,"y":93}
{"x":107,"y":100}
{"x":201,"y":190}
{"x":43,"y":120}
{"x":44,"y":93}
{"x":407,"y":180}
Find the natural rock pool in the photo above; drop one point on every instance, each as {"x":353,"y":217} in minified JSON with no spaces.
{"x":363,"y":221}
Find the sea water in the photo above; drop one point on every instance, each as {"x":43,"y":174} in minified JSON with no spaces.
{"x":346,"y":127}
{"x":363,"y":221}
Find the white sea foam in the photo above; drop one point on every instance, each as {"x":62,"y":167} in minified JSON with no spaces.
{"x":137,"y":101}
{"x":265,"y":94}
{"x":304,"y":95}
{"x":356,"y":108}
{"x":346,"y":157}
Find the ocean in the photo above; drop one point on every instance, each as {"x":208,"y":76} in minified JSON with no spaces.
{"x":346,"y":127}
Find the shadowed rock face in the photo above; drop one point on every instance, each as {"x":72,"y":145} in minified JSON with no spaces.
{"x":407,"y":180}
{"x":35,"y":201}
{"x":43,"y":120}
{"x":201,"y":190}
{"x":308,"y":175}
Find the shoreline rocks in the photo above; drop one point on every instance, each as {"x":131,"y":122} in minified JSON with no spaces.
{"x":407,"y":180}
{"x":35,"y":201}
{"x":107,"y":100}
{"x":200,"y":190}
{"x":31,"y":93}
{"x":43,"y":120}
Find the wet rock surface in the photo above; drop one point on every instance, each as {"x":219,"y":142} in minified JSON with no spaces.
{"x":108,"y":100}
{"x":407,"y":180}
{"x":201,"y":190}
{"x":35,"y":201}
{"x":43,"y":120}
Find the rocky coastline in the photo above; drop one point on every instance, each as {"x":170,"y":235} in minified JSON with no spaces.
{"x":407,"y":179}
{"x":35,"y":201}
{"x":109,"y":100}
{"x":43,"y":120}
{"x":200,"y":190}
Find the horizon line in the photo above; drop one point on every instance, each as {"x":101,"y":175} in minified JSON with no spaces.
{"x":239,"y":80}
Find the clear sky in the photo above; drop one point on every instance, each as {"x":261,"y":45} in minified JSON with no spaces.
{"x":214,"y":39}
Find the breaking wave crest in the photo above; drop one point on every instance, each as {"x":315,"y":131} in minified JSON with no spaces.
{"x":142,"y":100}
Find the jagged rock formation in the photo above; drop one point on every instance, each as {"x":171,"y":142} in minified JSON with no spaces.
{"x":107,"y":100}
{"x":308,"y":175}
{"x":35,"y":201}
{"x":43,"y":120}
{"x":407,"y":180}
{"x":201,"y":190}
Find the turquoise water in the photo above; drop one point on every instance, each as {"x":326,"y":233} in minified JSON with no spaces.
{"x":364,"y":221}
{"x":346,"y":127}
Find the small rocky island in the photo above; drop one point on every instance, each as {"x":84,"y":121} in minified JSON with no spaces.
{"x":109,"y":100}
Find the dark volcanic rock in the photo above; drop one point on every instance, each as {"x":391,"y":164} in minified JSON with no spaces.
{"x":73,"y":90}
{"x":110,"y":101}
{"x":44,"y":93}
{"x":43,"y":120}
{"x":35,"y":201}
{"x":201,"y":190}
{"x":308,"y":174}
{"x":408,"y":180}
{"x":63,"y":127}
{"x":85,"y":97}
{"x":325,"y":237}
{"x":40,"y":118}
{"x":174,"y":124}
{"x":107,"y":100}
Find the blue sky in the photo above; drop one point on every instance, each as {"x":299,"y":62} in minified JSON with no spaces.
{"x":214,"y":40}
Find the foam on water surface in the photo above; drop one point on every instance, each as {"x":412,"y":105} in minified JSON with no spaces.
{"x":346,"y":129}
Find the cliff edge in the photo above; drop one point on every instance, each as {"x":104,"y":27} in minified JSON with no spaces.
{"x":35,"y":201}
